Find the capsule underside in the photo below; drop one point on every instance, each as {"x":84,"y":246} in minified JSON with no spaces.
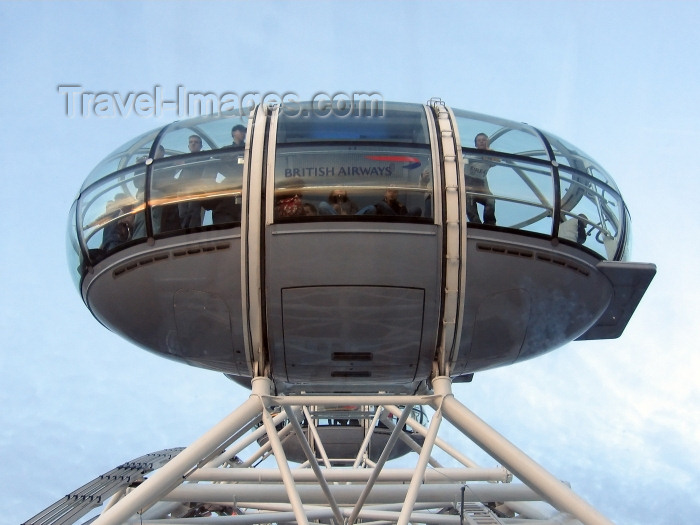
{"x":292,"y":257}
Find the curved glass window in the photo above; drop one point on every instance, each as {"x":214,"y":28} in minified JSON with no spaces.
{"x":569,"y":155}
{"x":228,"y":131}
{"x":133,"y":152}
{"x":502,"y":135}
{"x":73,"y":250}
{"x":111,"y":212}
{"x":591,"y":213}
{"x":366,"y":160}
{"x":376,"y":122}
{"x":357,"y":181}
{"x":198,"y":190}
{"x":199,"y":186}
{"x":508,"y":193}
{"x":357,"y":165}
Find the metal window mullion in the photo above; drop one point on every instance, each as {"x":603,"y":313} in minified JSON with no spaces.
{"x":555,"y":180}
{"x":455,"y":241}
{"x":251,"y":242}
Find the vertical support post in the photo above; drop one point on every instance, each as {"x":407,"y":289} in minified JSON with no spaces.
{"x":522,"y":466}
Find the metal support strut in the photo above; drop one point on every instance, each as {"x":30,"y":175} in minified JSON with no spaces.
{"x":360,"y":459}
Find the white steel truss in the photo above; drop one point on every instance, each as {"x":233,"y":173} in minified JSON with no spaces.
{"x":337,"y":478}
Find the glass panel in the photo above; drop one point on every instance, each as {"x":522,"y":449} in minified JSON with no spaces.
{"x":569,"y":155}
{"x":331,"y":181}
{"x":213,"y":132}
{"x":387,"y":122}
{"x":111,"y":212}
{"x":197,"y":190}
{"x":73,"y":251}
{"x":627,"y":238}
{"x":133,"y":152}
{"x":501,"y":135}
{"x":508,"y":193}
{"x":591,"y":213}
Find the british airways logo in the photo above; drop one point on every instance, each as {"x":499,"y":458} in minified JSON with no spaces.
{"x":412,"y":162}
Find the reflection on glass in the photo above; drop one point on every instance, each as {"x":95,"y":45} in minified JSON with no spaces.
{"x":133,"y":152}
{"x":215,"y":133}
{"x":520,"y":194}
{"x":73,"y":250}
{"x":335,"y":181}
{"x":390,"y":122}
{"x":504,"y":136}
{"x":592,"y":214}
{"x":568,"y":155}
{"x":372,"y":161}
{"x":111,"y":212}
{"x":195,"y":191}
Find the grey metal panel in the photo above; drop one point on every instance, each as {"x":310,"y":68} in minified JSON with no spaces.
{"x":524,"y":298}
{"x":346,"y":333}
{"x":178,"y":299}
{"x":203,"y":323}
{"x":390,"y":279}
{"x":630,"y":281}
{"x":499,"y":327}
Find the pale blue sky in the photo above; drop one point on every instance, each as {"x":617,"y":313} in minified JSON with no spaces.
{"x":617,"y":419}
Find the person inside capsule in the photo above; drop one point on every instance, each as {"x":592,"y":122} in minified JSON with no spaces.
{"x":238,"y":135}
{"x":118,"y":230}
{"x":338,"y":204}
{"x":225,"y":210}
{"x":289,"y":202}
{"x":191,"y":212}
{"x":574,"y":228}
{"x":475,"y":172}
{"x":390,"y":205}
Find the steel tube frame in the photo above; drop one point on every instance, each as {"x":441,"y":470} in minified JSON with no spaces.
{"x":410,"y":442}
{"x":415,"y":425}
{"x":345,"y":494}
{"x":419,"y":473}
{"x":383,"y":458}
{"x":522,"y":466}
{"x":172,"y":473}
{"x":311,"y":458}
{"x":343,"y":475}
{"x":246,"y":494}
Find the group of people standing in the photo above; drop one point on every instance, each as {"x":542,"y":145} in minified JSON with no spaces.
{"x":122,"y":226}
{"x":224,"y":209}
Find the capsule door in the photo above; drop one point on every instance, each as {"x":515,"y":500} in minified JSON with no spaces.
{"x":352,"y":266}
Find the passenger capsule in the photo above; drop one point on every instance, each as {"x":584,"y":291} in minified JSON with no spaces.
{"x":360,"y":248}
